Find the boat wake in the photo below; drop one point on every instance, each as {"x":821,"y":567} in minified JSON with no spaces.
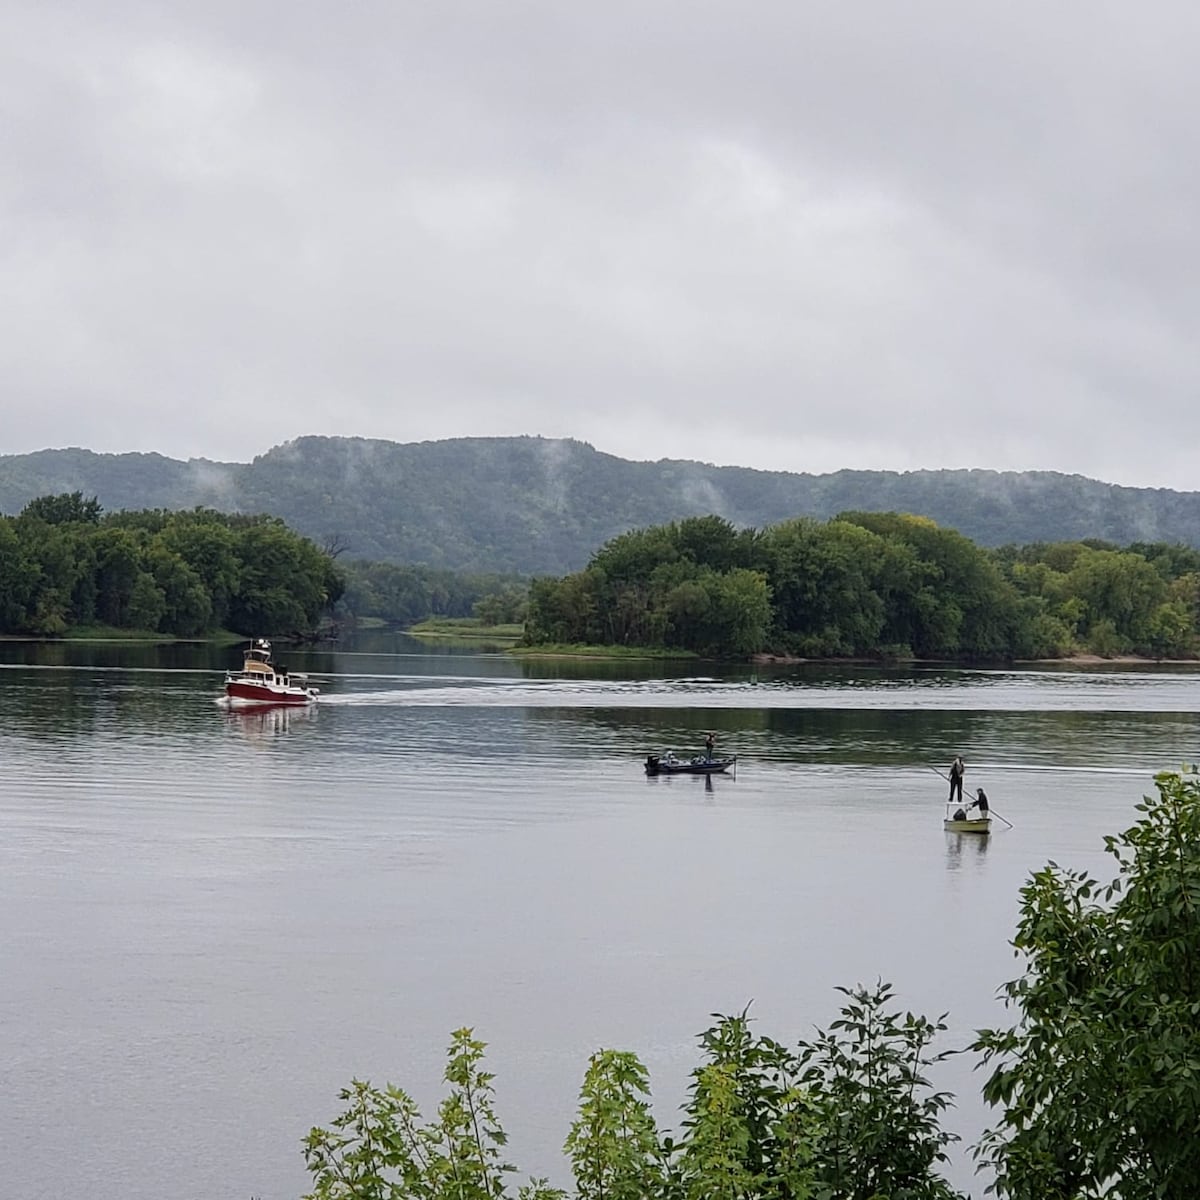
{"x":551,"y":694}
{"x":994,"y":694}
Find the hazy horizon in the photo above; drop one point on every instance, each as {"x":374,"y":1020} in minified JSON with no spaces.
{"x":789,"y":237}
{"x":540,"y":437}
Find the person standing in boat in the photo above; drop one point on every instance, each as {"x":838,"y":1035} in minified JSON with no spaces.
{"x":957,"y":770}
{"x":980,"y":802}
{"x":708,"y":746}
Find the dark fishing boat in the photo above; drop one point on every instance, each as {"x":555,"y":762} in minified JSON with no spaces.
{"x":668,"y":764}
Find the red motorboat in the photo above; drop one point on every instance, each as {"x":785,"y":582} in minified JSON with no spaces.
{"x":261,"y":682}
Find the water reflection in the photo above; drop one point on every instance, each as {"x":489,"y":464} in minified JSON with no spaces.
{"x":968,"y":848}
{"x":173,"y":656}
{"x":264,"y":722}
{"x":1045,"y":740}
{"x":691,"y":783}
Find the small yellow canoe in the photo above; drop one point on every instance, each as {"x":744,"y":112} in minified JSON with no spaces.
{"x":976,"y":825}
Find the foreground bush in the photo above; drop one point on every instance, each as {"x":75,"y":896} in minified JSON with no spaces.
{"x":1100,"y":1078}
{"x":1097,"y":1083}
{"x":848,"y":1116}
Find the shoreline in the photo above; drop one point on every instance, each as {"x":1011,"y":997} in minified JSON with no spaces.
{"x":1073,"y":660}
{"x":466,"y":635}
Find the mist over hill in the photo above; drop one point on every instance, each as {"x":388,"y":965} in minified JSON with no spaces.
{"x":542,"y":506}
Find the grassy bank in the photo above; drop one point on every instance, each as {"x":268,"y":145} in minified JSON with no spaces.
{"x":572,"y":650}
{"x":110,"y":633}
{"x":465,"y":627}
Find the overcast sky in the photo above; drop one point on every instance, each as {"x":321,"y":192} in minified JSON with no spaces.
{"x":790,"y":235}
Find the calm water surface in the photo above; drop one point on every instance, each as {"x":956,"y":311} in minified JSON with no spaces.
{"x":210,"y":922}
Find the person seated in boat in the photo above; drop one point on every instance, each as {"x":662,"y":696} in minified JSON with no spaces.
{"x":960,"y":814}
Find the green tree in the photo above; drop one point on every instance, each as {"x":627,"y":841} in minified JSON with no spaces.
{"x":187,"y":606}
{"x":204,"y":541}
{"x":849,"y":1116}
{"x":826,"y":586}
{"x":64,"y":509}
{"x":1121,"y":589}
{"x":147,"y":605}
{"x":18,"y":579}
{"x":1186,"y":590}
{"x":637,"y":554}
{"x":1171,"y":631}
{"x":507,"y":605}
{"x":749,"y":1125}
{"x":712,"y":542}
{"x":1099,"y":1079}
{"x":284,"y":581}
{"x":57,"y":552}
{"x":1039,"y":633}
{"x":118,"y":569}
{"x":613,"y":1144}
{"x":378,"y":1148}
{"x":1170,"y":559}
{"x":959,"y":603}
{"x":878,"y":1120}
{"x":565,"y":610}
{"x":741,"y":611}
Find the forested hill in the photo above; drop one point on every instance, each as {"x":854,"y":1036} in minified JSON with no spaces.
{"x":543,"y":506}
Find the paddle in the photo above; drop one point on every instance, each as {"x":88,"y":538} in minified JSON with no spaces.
{"x":996,"y":814}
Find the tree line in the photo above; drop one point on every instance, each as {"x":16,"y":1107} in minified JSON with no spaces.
{"x":65,"y":563}
{"x":862,"y":585}
{"x":871,"y":585}
{"x":1095,"y":1085}
{"x":404,"y":595}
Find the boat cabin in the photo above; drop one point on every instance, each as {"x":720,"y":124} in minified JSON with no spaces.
{"x":256,"y":658}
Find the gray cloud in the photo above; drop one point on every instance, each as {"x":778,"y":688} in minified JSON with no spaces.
{"x":801,"y":236}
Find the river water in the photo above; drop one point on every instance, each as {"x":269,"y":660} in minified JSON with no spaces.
{"x":210,"y":922}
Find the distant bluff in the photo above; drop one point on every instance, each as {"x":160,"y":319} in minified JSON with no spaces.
{"x":542,"y":506}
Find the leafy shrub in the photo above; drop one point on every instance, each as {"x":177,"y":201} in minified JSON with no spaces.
{"x":1099,"y":1080}
{"x":849,"y":1116}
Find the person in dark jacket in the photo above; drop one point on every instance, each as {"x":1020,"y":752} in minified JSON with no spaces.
{"x":708,"y":747}
{"x":981,"y":802}
{"x":958,"y":768}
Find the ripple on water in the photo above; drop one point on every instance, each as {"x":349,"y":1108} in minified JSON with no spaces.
{"x":264,"y":904}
